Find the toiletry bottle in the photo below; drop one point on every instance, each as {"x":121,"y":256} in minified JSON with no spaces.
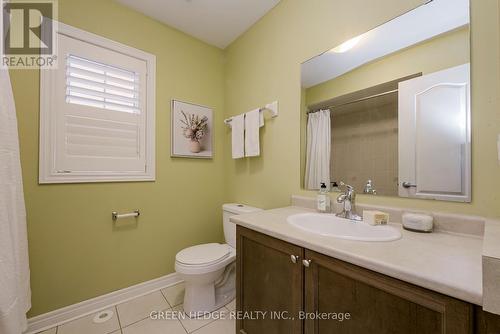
{"x":323,"y":200}
{"x":335,"y":187}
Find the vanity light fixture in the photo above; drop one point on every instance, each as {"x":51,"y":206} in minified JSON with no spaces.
{"x":347,"y":45}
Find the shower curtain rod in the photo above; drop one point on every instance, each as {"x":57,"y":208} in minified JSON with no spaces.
{"x":353,"y":101}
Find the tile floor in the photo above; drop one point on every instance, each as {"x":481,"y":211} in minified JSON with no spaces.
{"x":133,"y":317}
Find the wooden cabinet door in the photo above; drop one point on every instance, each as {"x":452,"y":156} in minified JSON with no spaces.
{"x":376,"y":303}
{"x":485,"y":322}
{"x":268,"y":281}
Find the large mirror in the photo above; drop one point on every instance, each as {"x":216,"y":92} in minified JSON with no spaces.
{"x":388,"y":111}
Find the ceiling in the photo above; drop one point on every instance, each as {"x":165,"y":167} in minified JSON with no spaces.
{"x":216,"y":22}
{"x":419,"y":25}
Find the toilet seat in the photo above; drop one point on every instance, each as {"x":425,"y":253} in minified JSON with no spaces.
{"x":204,"y":254}
{"x":204,"y":258}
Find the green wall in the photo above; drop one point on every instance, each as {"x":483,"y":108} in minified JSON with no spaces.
{"x":264,"y":65}
{"x":75,"y":253}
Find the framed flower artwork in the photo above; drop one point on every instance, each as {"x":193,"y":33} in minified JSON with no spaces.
{"x":191,"y":130}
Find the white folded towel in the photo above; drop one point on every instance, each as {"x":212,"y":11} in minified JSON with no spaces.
{"x":238,"y":136}
{"x":253,"y":121}
{"x":261,"y":118}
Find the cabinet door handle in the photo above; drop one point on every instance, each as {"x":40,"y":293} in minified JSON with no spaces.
{"x":294,"y":258}
{"x":306,"y":263}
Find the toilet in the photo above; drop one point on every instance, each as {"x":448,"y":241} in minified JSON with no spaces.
{"x":208,"y":270}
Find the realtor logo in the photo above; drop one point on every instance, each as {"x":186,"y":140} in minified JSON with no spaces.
{"x":28,"y":34}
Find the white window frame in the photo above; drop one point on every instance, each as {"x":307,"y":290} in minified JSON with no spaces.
{"x":47,"y":152}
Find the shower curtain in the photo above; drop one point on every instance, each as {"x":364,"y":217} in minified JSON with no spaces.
{"x":15,"y":294}
{"x":318,"y":149}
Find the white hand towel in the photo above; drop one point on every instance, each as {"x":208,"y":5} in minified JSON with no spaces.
{"x":238,"y":136}
{"x":253,"y":121}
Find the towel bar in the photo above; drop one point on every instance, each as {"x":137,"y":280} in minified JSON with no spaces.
{"x":115,"y":215}
{"x":272,"y":107}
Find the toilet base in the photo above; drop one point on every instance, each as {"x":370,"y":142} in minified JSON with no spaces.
{"x":223,"y":298}
{"x":203,"y":298}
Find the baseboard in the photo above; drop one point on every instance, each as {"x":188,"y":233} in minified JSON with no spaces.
{"x":57,"y":317}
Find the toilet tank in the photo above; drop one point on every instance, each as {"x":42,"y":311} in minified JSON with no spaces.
{"x":229,"y":210}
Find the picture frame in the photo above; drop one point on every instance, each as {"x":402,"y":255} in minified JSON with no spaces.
{"x":191,"y":130}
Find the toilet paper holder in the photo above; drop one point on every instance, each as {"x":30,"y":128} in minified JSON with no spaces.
{"x":115,"y":215}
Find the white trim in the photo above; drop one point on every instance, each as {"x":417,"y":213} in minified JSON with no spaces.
{"x":45,"y":175}
{"x":57,"y":317}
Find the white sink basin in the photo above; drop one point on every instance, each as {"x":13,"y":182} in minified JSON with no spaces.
{"x":333,"y":226}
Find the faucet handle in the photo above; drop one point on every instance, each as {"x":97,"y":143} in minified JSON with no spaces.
{"x":349,"y":187}
{"x":369,"y":188}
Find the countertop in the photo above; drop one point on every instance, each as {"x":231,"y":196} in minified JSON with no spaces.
{"x":445,"y":262}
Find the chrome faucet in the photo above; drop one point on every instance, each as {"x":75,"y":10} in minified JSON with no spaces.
{"x":348,"y":198}
{"x":369,"y":188}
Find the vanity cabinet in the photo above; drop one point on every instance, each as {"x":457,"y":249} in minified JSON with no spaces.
{"x":296,"y":286}
{"x":376,"y":303}
{"x":268,"y":281}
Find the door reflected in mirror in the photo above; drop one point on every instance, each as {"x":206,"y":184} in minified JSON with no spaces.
{"x":388,"y":111}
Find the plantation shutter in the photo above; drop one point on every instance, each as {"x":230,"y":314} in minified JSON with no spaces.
{"x":100,"y":126}
{"x":102,"y":86}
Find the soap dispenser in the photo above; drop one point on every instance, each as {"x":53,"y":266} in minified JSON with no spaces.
{"x":323,"y":200}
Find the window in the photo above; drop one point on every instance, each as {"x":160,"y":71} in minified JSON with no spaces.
{"x":97,"y":112}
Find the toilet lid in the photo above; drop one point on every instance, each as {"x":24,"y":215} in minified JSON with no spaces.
{"x":203,"y":254}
